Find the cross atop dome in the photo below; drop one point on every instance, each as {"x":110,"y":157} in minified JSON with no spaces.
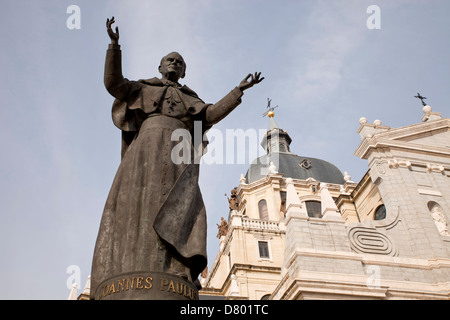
{"x":276,"y":139}
{"x":271,"y":114}
{"x":421,"y":99}
{"x":270,"y":109}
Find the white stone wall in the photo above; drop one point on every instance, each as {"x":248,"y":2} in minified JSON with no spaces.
{"x":400,"y":257}
{"x":404,"y":256}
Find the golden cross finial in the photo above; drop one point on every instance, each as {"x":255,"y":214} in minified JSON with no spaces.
{"x":269,"y":112}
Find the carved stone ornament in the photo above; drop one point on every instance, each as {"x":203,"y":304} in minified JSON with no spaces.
{"x":305,"y":164}
{"x":366,"y":239}
{"x":223,"y":228}
{"x":439,"y":220}
{"x":233,"y":201}
{"x":380,"y":167}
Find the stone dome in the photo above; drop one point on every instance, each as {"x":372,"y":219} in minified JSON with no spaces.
{"x":296,"y":167}
{"x":280,"y":159}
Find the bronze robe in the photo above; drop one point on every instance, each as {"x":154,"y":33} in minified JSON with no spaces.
{"x":154,"y":217}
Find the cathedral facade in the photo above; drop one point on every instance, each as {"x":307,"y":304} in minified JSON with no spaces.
{"x":298,"y":228}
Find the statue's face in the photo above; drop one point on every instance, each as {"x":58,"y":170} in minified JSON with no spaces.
{"x":172,"y":66}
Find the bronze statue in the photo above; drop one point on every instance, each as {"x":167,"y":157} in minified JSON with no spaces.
{"x":153,"y":228}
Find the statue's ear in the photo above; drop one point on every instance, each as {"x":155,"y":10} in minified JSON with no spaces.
{"x":184,"y":72}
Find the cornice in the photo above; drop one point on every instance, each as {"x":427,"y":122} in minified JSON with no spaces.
{"x":391,"y":139}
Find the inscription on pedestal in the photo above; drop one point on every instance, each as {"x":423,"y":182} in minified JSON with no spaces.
{"x":146,"y":286}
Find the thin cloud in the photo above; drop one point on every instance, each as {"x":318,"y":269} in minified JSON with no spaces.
{"x":337,"y":29}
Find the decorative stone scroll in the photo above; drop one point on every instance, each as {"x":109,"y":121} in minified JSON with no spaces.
{"x":369,"y":240}
{"x":435,"y":168}
{"x":396,"y":163}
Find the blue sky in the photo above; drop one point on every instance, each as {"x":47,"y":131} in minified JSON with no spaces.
{"x":322,"y":66}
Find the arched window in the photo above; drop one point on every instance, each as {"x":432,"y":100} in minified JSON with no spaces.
{"x":314,"y":209}
{"x":262,"y":207}
{"x":380,"y":213}
{"x":283,"y":202}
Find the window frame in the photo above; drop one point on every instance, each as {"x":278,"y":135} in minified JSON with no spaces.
{"x":265,"y":250}
{"x":376,"y":210}
{"x":263,"y":215}
{"x":309,"y":210}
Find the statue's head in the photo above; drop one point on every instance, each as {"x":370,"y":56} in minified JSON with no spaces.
{"x":172,"y":66}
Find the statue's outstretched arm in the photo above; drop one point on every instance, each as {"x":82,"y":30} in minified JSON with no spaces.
{"x":218,"y":111}
{"x":113,"y":36}
{"x":250,"y":80}
{"x":114,"y":81}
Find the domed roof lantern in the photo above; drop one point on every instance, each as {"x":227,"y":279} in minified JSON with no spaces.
{"x":277,"y":142}
{"x":276,"y":139}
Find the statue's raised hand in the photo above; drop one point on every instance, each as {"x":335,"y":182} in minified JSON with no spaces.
{"x":250,"y":81}
{"x":113,"y":35}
